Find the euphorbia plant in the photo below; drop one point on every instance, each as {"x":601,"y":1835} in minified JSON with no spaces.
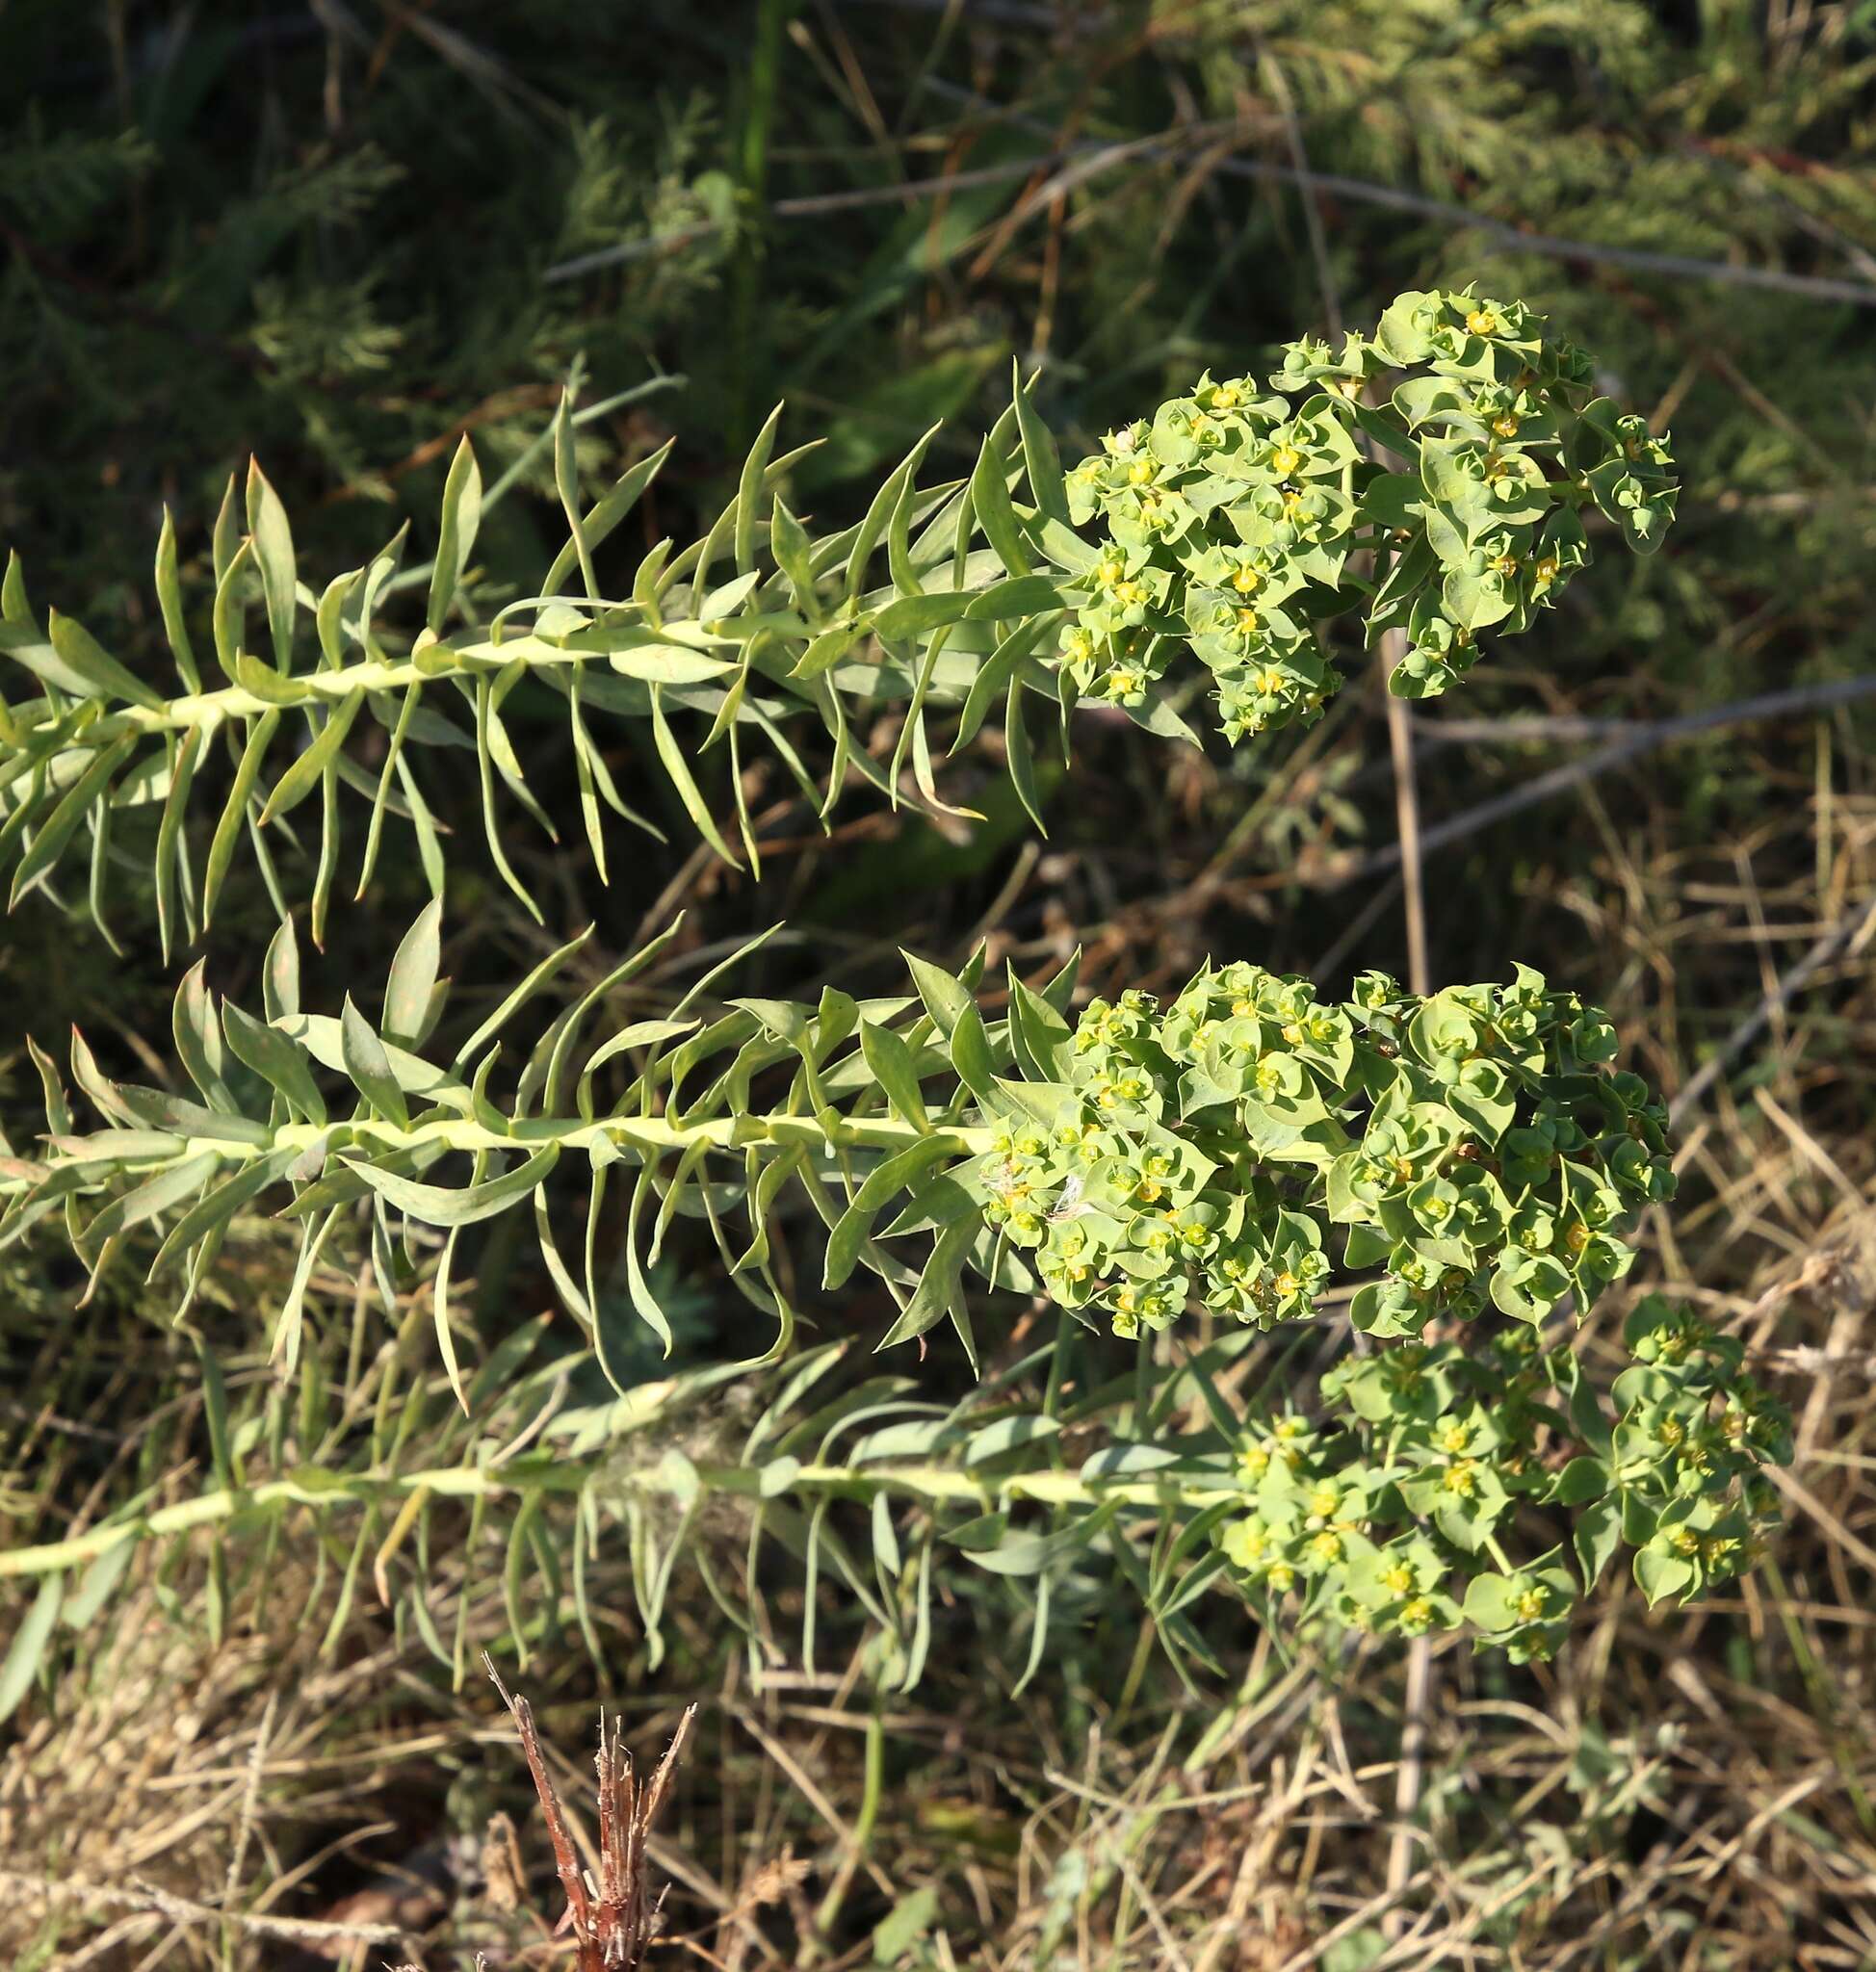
{"x":1245,"y":1155}
{"x":1249,"y":1151}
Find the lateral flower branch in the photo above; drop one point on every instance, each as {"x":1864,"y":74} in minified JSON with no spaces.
{"x":1429,"y":477}
{"x":1428,"y":1489}
{"x":1247,"y":1147}
{"x":1232,"y":1148}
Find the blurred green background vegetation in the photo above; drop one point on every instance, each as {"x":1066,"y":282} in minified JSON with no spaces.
{"x":337,"y":235}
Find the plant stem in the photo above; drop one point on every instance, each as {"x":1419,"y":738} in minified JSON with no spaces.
{"x":652,"y":1134}
{"x":937,"y":1484}
{"x":300,"y":689}
{"x":873,"y":1787}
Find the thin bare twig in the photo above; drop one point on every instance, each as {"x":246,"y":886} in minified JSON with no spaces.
{"x":1849,"y":933}
{"x":1642,"y":737}
{"x":249,"y":1800}
{"x":147,"y":1897}
{"x":1396,"y":199}
{"x":566,"y":1859}
{"x":1407,"y":818}
{"x":1419,"y":1698}
{"x":1518,"y":731}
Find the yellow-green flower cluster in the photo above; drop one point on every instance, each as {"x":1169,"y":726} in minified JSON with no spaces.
{"x":1469,"y":1146}
{"x":1398,"y":1508}
{"x":1231,"y":515}
{"x":1498,"y":1158}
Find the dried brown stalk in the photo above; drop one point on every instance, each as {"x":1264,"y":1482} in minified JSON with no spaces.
{"x":615,"y":1921}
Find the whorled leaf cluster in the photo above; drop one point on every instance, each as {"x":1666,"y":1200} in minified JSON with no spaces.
{"x":1235,"y":521}
{"x":1240,"y":516}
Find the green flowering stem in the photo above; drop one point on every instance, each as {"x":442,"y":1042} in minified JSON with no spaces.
{"x":935,"y":1484}
{"x":1239,"y":1146}
{"x":1340,"y":1513}
{"x":654,"y":1135}
{"x":1234,"y":523}
{"x":430,"y":662}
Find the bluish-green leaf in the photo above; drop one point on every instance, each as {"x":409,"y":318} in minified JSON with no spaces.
{"x":448,"y":1206}
{"x":881,"y":1184}
{"x":272,"y":539}
{"x":463,"y":512}
{"x":369,"y":1067}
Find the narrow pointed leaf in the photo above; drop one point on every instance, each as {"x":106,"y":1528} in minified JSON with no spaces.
{"x":369,"y":1067}
{"x":272,"y":539}
{"x":462,"y":512}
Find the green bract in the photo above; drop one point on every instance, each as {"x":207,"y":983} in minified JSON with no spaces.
{"x":1427,"y":1460}
{"x":1239,"y":519}
{"x":1471,"y":1144}
{"x":1235,"y":522}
